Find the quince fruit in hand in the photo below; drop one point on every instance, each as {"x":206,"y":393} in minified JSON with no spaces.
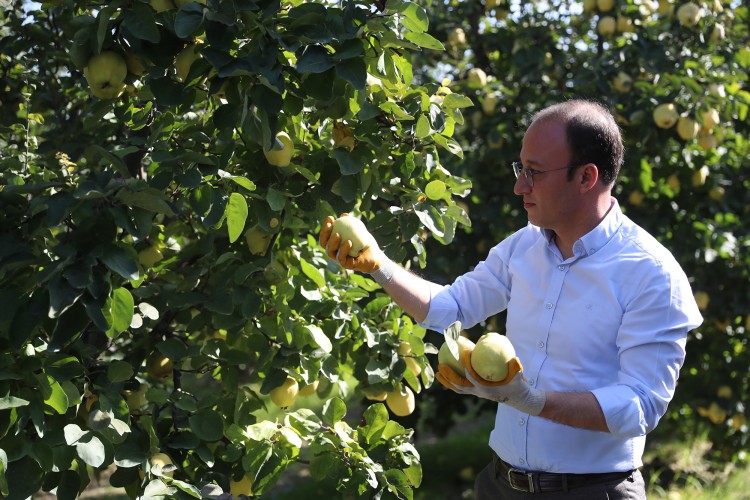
{"x":445,"y":357}
{"x":491,"y":355}
{"x":352,"y":229}
{"x":106,"y":74}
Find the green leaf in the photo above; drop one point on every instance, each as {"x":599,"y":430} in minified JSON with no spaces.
{"x":57,"y":399}
{"x":119,"y":260}
{"x":353,"y":71}
{"x":244,"y":182}
{"x":236,"y":213}
{"x":3,"y":468}
{"x":276,"y":199}
{"x":376,"y":418}
{"x":398,"y":484}
{"x":119,"y":371}
{"x":141,"y":23}
{"x":350,"y":162}
{"x":449,"y":144}
{"x":189,"y":20}
{"x":113,"y":160}
{"x":91,"y":450}
{"x":314,"y":59}
{"x":147,"y":199}
{"x":414,"y":17}
{"x":9,"y":402}
{"x":61,"y":296}
{"x":320,"y":338}
{"x":208,"y":425}
{"x":457,"y":101}
{"x":121,"y":306}
{"x":313,"y":273}
{"x":321,"y":465}
{"x":423,"y":127}
{"x":333,"y":411}
{"x":103,"y":27}
{"x":424,"y":40}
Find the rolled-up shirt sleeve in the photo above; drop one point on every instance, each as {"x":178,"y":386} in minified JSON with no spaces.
{"x":651,"y":346}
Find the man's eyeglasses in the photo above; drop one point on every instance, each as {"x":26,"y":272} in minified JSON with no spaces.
{"x":529,"y":173}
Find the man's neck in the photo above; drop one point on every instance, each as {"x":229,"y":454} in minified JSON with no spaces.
{"x":566,"y":240}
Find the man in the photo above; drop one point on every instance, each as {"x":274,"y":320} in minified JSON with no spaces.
{"x":597,"y":310}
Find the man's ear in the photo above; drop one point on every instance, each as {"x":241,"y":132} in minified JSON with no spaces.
{"x":589,"y":174}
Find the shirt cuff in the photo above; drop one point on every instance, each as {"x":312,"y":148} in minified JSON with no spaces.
{"x":442,"y":313}
{"x":622,"y":411}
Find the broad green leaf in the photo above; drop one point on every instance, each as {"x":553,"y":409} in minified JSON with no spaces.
{"x":189,"y":20}
{"x":321,"y":464}
{"x":313,"y":273}
{"x":147,"y":199}
{"x":376,"y":417}
{"x":3,"y":468}
{"x":113,"y":160}
{"x":333,"y":411}
{"x":457,"y":101}
{"x":449,"y":144}
{"x":57,"y":399}
{"x":140,"y":22}
{"x":91,"y":450}
{"x":314,"y":59}
{"x":276,"y":199}
{"x":121,"y":306}
{"x":8,"y":402}
{"x":423,"y":127}
{"x":414,"y":17}
{"x":61,"y":296}
{"x":120,"y":261}
{"x":119,"y":371}
{"x":435,"y":190}
{"x":236,"y":213}
{"x":424,"y":40}
{"x":320,"y":338}
{"x":207,"y":425}
{"x":354,"y":71}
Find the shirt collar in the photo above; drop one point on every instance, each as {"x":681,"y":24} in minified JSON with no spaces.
{"x":595,"y":239}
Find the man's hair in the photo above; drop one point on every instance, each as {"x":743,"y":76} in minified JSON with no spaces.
{"x":593,"y":135}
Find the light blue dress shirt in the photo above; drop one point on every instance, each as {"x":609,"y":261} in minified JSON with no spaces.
{"x":612,"y":319}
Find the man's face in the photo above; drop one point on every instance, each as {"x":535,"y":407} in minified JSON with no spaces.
{"x":552,"y":200}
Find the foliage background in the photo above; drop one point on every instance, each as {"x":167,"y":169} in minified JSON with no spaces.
{"x":123,"y":222}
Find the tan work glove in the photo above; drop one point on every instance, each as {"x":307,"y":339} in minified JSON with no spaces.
{"x":513,"y":390}
{"x":367,"y":261}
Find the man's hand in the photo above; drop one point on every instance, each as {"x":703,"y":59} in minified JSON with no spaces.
{"x":367,"y":261}
{"x":514,"y":390}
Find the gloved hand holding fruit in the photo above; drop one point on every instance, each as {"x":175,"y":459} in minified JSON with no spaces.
{"x":347,"y":240}
{"x":491,"y":370}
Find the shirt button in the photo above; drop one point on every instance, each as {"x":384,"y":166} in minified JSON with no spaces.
{"x":593,"y":250}
{"x":561,"y":267}
{"x":540,"y":344}
{"x":521,"y":461}
{"x":521,"y":421}
{"x":548,"y":305}
{"x":531,"y":381}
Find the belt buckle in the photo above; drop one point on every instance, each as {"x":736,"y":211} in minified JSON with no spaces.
{"x":529,"y":478}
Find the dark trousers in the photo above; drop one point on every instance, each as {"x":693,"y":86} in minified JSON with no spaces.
{"x":491,"y":485}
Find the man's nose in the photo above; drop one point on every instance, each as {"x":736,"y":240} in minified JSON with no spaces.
{"x":521,"y":186}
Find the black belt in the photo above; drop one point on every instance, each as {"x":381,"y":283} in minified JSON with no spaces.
{"x":543,"y":482}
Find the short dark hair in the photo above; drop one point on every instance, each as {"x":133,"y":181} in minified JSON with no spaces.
{"x":593,"y":135}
